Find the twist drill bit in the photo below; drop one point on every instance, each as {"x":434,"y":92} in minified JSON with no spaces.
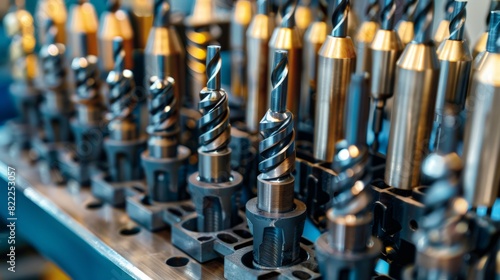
{"x":352,"y":18}
{"x":172,"y":62}
{"x":258,"y":35}
{"x":242,"y":15}
{"x":81,"y":30}
{"x":88,"y":99}
{"x":314,"y":37}
{"x":214,"y":186}
{"x":482,"y":140}
{"x":405,"y":26}
{"x":276,"y":219}
{"x":415,"y":99}
{"x":385,"y":50}
{"x":54,"y":10}
{"x":347,"y":248}
{"x":365,"y":37}
{"x":480,"y":45}
{"x":337,"y":61}
{"x":455,"y":63}
{"x":442,"y":31}
{"x":141,"y":14}
{"x":114,"y":23}
{"x":287,"y":37}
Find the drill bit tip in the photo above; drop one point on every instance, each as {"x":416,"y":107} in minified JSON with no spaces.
{"x":279,"y":80}
{"x":388,"y":14}
{"x":423,"y":21}
{"x":339,"y":18}
{"x":213,"y":66}
{"x":493,"y":33}
{"x":288,"y":14}
{"x":161,"y":14}
{"x":457,"y":20}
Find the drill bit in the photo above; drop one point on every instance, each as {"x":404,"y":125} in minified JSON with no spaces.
{"x":51,"y":57}
{"x":304,"y":14}
{"x":340,"y":18}
{"x":365,"y":36}
{"x":482,"y":140}
{"x":277,"y":149}
{"x":442,"y":31}
{"x":415,"y":91}
{"x":258,"y":35}
{"x":423,"y":21}
{"x":347,"y":250}
{"x":121,"y":96}
{"x":480,"y":45}
{"x":405,"y":26}
{"x":457,"y":21}
{"x":388,"y":13}
{"x":81,"y":30}
{"x":276,"y":218}
{"x":88,"y":99}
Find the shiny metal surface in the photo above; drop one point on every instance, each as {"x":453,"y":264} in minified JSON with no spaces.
{"x":141,"y":13}
{"x":364,"y":39}
{"x":81,"y":30}
{"x":240,"y":20}
{"x":337,"y":61}
{"x":482,"y":139}
{"x":480,"y":45}
{"x":405,"y":26}
{"x":96,"y":230}
{"x":411,"y":120}
{"x":258,"y":35}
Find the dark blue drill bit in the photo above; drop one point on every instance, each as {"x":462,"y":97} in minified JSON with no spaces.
{"x":423,"y":22}
{"x":339,"y":18}
{"x":457,"y":21}
{"x":388,"y":13}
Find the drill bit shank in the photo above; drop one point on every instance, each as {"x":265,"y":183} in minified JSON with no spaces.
{"x":365,"y":37}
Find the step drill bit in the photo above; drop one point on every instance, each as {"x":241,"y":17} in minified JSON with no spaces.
{"x":365,"y":36}
{"x":275,"y":218}
{"x":480,"y":45}
{"x":314,"y":37}
{"x":258,"y":35}
{"x":287,"y":37}
{"x":124,"y":145}
{"x":455,"y":62}
{"x":337,"y":62}
{"x":385,"y":51}
{"x":405,"y":26}
{"x":482,"y":137}
{"x":114,"y":22}
{"x":81,"y":30}
{"x":214,"y":187}
{"x":240,"y":21}
{"x":347,"y":250}
{"x":414,"y":102}
{"x":56,"y":107}
{"x":165,"y":160}
{"x":441,"y":240}
{"x":56,"y":11}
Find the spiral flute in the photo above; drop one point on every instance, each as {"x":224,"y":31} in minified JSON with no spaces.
{"x":423,"y":21}
{"x":121,"y":96}
{"x":88,"y":99}
{"x":388,"y":13}
{"x":340,"y":18}
{"x":405,"y":26}
{"x":457,"y":21}
{"x":364,"y":37}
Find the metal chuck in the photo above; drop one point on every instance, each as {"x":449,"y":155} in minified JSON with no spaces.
{"x":414,"y":101}
{"x":214,"y":187}
{"x":123,"y":146}
{"x":385,"y":50}
{"x":482,"y":134}
{"x":258,"y":35}
{"x":347,"y":250}
{"x":455,"y":61}
{"x":275,"y":218}
{"x":337,"y":61}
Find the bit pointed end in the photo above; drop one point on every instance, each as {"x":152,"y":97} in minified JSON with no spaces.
{"x":279,"y":80}
{"x":162,"y":14}
{"x":213,"y":66}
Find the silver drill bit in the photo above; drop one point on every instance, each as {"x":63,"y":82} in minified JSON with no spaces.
{"x":121,"y":96}
{"x":405,"y":26}
{"x":339,"y":18}
{"x":276,"y":219}
{"x":372,"y":10}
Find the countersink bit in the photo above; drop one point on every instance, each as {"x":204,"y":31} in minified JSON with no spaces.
{"x":347,"y":250}
{"x":482,"y":140}
{"x":414,"y":102}
{"x":365,"y":36}
{"x":240,"y":21}
{"x":56,"y":107}
{"x":337,"y":61}
{"x":385,"y":51}
{"x":258,"y":35}
{"x":455,"y":63}
{"x":405,"y":27}
{"x":56,"y":11}
{"x":215,"y":186}
{"x":480,"y":45}
{"x":81,"y":30}
{"x":314,"y":37}
{"x":164,"y":52}
{"x":114,"y":22}
{"x":287,"y":37}
{"x":275,"y":218}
